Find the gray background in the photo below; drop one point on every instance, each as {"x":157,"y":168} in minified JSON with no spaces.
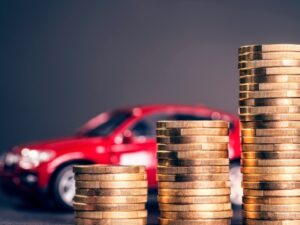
{"x":62,"y":62}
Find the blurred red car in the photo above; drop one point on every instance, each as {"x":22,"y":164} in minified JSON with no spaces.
{"x":124,"y":136}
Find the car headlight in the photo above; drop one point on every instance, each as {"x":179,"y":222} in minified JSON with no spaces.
{"x":11,"y":159}
{"x":31,"y":158}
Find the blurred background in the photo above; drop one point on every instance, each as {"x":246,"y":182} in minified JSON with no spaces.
{"x":62,"y":62}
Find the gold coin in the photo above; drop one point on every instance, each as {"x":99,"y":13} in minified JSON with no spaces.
{"x":193,"y":124}
{"x":265,"y":185}
{"x":269,"y":56}
{"x":193,"y":199}
{"x":194,"y":185}
{"x":193,"y":177}
{"x":272,"y":193}
{"x":108,"y":169}
{"x":164,"y":221}
{"x":270,"y":48}
{"x":269,"y":109}
{"x":268,"y":117}
{"x":276,"y":124}
{"x":110,"y":215}
{"x":194,"y":147}
{"x":194,"y":169}
{"x":271,"y":170}
{"x":111,"y":184}
{"x":110,"y":199}
{"x":269,"y":86}
{"x":271,"y":132}
{"x":271,"y":140}
{"x":195,"y":207}
{"x":108,"y":207}
{"x":270,"y":94}
{"x":112,"y":192}
{"x":271,"y":200}
{"x":270,"y":102}
{"x":194,"y":192}
{"x":271,"y":177}
{"x":268,"y":63}
{"x":192,"y":131}
{"x":195,"y":162}
{"x":196,"y":215}
{"x":192,"y":139}
{"x":248,"y":79}
{"x":270,"y":162}
{"x":271,"y":71}
{"x":272,"y":215}
{"x":140,"y":221}
{"x":271,"y":155}
{"x":111,"y":177}
{"x":191,"y":154}
{"x":270,"y":147}
{"x":270,"y":222}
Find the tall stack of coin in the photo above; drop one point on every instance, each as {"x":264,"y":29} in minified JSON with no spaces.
{"x":193,"y":173}
{"x":270,"y":120}
{"x":110,"y":195}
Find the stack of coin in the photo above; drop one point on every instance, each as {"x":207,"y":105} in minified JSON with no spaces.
{"x":110,"y":195}
{"x":193,"y":173}
{"x":270,"y":121}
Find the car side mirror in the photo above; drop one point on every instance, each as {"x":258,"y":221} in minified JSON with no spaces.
{"x":128,"y":137}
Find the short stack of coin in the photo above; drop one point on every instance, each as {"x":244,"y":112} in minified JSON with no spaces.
{"x":193,"y":173}
{"x":270,"y":121}
{"x":110,"y":195}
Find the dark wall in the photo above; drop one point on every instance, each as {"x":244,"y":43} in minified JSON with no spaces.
{"x":62,"y":62}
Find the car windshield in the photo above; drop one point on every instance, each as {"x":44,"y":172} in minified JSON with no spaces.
{"x":109,"y":125}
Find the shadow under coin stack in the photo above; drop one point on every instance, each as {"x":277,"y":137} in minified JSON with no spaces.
{"x":110,"y":195}
{"x":270,"y":120}
{"x":193,"y":173}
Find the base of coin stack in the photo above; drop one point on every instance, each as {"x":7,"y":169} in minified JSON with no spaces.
{"x":110,"y":195}
{"x":193,"y":173}
{"x":270,"y":121}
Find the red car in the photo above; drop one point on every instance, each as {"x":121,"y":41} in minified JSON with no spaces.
{"x":125,"y":136}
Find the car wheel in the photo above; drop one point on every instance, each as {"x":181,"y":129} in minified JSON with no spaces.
{"x":64,"y":187}
{"x":236,"y":183}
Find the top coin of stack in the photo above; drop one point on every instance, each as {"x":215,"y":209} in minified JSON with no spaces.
{"x":110,"y":195}
{"x":193,"y":172}
{"x":270,"y":121}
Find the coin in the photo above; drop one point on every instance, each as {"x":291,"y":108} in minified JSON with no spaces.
{"x":266,"y":185}
{"x":111,"y":184}
{"x":247,"y":79}
{"x":271,"y":177}
{"x":268,"y":63}
{"x":111,"y":192}
{"x":194,"y":192}
{"x":271,"y":208}
{"x":191,"y":154}
{"x":269,"y":109}
{"x":192,"y":131}
{"x":164,"y":221}
{"x":193,"y":199}
{"x":272,"y":215}
{"x":270,"y":162}
{"x":271,"y":170}
{"x":194,"y":169}
{"x":195,"y":162}
{"x":111,"y":177}
{"x":193,"y":177}
{"x":192,"y":139}
{"x":271,"y":71}
{"x":276,"y":124}
{"x":271,"y":132}
{"x":271,"y":200}
{"x":270,"y":147}
{"x":269,"y":56}
{"x":196,"y":215}
{"x":270,"y":102}
{"x":272,"y":193}
{"x":271,"y":140}
{"x":108,"y":169}
{"x":194,"y":147}
{"x":271,"y":155}
{"x":192,"y":124}
{"x":110,"y":215}
{"x":108,"y":207}
{"x":270,"y":94}
{"x":270,"y":48}
{"x":140,"y":221}
{"x":194,"y":185}
{"x":268,"y":117}
{"x":110,"y":199}
{"x":195,"y":207}
{"x":269,"y":86}
{"x":271,"y":222}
